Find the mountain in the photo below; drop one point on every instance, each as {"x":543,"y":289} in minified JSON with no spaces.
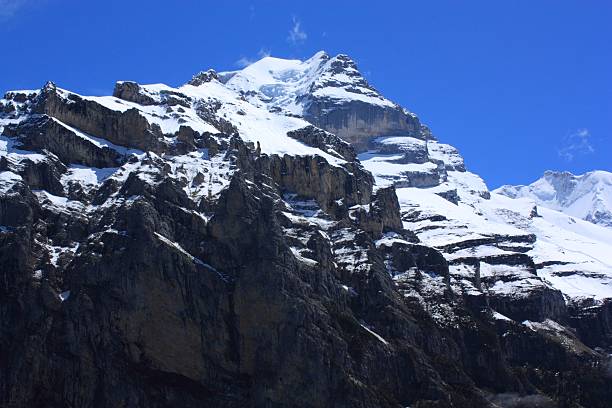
{"x":283,"y":235}
{"x":327,"y":91}
{"x":587,"y":196}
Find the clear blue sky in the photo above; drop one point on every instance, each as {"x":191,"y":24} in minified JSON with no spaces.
{"x":518,"y":86}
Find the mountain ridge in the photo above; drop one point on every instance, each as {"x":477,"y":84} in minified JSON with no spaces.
{"x":587,"y":196}
{"x":208,"y":245}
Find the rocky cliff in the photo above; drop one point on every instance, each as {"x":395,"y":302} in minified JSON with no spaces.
{"x":210,"y":245}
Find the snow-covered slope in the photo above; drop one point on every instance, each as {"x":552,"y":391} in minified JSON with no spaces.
{"x":290,"y":85}
{"x":513,"y":245}
{"x":329,"y":92}
{"x":587,"y":196}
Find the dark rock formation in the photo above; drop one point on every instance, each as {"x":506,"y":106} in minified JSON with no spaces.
{"x":215,"y":274}
{"x":357,"y":122}
{"x":127,"y":128}
{"x":204,"y":76}
{"x":44,"y":133}
{"x":131,"y":91}
{"x":329,"y":143}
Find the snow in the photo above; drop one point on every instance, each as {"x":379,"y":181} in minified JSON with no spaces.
{"x":195,"y":260}
{"x":446,"y":153}
{"x":299,"y":257}
{"x":387,"y":170}
{"x":345,"y":95}
{"x":389,"y":239}
{"x":98,"y":141}
{"x":289,"y":84}
{"x":499,"y":316}
{"x":7,"y":180}
{"x":580,"y":252}
{"x":55,"y":252}
{"x":378,"y":336}
{"x":9,"y":149}
{"x":587,"y":196}
{"x":64,"y":295}
{"x":87,"y":175}
{"x":57,"y":203}
{"x":109,"y":102}
{"x":574,"y":256}
{"x":256,"y":124}
{"x":262,"y":102}
{"x":169,"y":123}
{"x":400,"y":141}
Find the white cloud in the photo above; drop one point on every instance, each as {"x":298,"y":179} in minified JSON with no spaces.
{"x":8,"y":8}
{"x":296,"y":35}
{"x":575,"y":144}
{"x":246,"y":61}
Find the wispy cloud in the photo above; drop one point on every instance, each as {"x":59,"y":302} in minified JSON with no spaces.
{"x":8,"y":8}
{"x":575,"y":144}
{"x":296,"y":35}
{"x":246,"y":61}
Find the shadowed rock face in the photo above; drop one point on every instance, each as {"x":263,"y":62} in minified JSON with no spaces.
{"x":43,"y":133}
{"x":215,"y":274}
{"x":358,"y":122}
{"x":127,"y":128}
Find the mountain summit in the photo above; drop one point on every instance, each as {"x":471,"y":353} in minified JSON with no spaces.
{"x":315,"y":88}
{"x":281,"y":236}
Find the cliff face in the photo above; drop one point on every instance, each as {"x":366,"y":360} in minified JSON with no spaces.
{"x":189,"y":247}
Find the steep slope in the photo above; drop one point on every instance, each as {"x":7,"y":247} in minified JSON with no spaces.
{"x":587,"y":196}
{"x":204,"y":245}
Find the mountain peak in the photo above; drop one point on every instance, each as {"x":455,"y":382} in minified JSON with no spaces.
{"x":587,"y":196}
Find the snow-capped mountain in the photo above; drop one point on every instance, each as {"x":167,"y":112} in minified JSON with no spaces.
{"x":587,"y":196}
{"x":282,"y":235}
{"x":315,"y":88}
{"x":476,"y":228}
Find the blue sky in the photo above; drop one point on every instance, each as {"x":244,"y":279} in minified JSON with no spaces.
{"x":518,"y":86}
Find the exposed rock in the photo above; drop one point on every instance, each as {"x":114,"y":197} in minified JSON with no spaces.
{"x":357,"y":122}
{"x":126,"y":128}
{"x":45,"y":133}
{"x":325,"y":141}
{"x":131,"y":91}
{"x":381,"y":215}
{"x":203,"y":77}
{"x":593,"y":323}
